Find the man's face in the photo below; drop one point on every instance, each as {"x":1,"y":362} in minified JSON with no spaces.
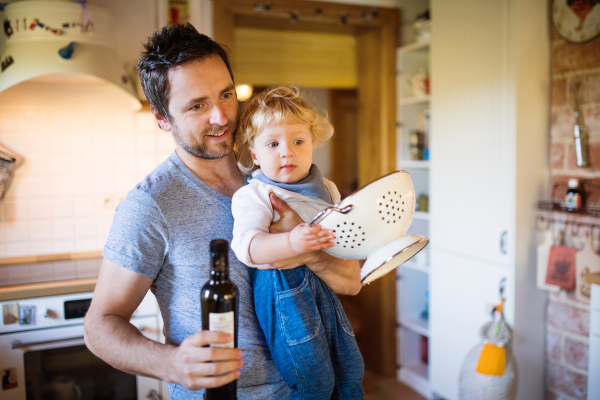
{"x":203,"y":108}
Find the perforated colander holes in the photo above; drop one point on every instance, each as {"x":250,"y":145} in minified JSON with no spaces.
{"x":348,"y":234}
{"x":391,"y":207}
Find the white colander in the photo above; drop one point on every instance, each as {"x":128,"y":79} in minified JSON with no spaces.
{"x":371,"y":224}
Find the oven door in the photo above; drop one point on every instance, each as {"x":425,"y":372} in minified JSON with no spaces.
{"x":55,"y":364}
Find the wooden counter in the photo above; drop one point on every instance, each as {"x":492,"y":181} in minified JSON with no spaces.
{"x":32,"y":290}
{"x":593,"y":278}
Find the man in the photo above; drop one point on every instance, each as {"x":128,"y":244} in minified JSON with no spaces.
{"x":160,"y":235}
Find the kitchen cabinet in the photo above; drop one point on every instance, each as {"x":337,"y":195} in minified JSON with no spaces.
{"x":413,"y":277}
{"x":489,"y":167}
{"x":594,"y":351}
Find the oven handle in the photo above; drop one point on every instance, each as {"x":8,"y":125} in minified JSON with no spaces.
{"x":18,"y":345}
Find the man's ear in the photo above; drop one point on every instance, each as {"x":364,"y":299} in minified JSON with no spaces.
{"x":162,"y":121}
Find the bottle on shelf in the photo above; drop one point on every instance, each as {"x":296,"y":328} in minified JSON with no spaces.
{"x":219,"y":299}
{"x":574,"y":198}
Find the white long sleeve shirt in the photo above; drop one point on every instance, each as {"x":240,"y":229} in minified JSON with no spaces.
{"x":253,"y":212}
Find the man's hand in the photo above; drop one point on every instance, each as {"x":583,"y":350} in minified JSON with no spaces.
{"x":288,"y":218}
{"x":198,"y":367}
{"x":305,"y":238}
{"x":110,"y":335}
{"x":343,"y":276}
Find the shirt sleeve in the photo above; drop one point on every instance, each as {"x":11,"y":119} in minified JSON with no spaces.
{"x":333,"y":190}
{"x":253,"y":213}
{"x":138,"y":238}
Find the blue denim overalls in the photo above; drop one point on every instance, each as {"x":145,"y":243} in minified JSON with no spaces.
{"x":306,"y":328}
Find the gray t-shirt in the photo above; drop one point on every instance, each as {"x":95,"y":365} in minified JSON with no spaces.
{"x":162,"y":230}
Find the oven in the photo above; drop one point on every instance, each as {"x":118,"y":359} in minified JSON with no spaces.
{"x":43,"y":355}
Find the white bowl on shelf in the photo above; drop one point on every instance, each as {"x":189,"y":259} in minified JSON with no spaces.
{"x":371,"y":224}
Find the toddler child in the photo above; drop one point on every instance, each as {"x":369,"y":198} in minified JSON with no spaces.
{"x":308,"y":333}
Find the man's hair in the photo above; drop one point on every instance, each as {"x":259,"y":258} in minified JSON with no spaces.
{"x":171,"y":47}
{"x":278,"y":105}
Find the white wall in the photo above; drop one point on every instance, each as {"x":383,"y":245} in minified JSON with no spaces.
{"x":80,"y":162}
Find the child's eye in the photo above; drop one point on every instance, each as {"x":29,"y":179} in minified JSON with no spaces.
{"x":273,"y":144}
{"x":298,"y":141}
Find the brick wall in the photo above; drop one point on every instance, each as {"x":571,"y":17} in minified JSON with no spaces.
{"x":568,"y":319}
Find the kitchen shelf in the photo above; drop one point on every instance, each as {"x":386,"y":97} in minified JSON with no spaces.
{"x":413,"y":371}
{"x":413,"y":283}
{"x":415,"y":164}
{"x":417,"y":46}
{"x":414,"y":100}
{"x":590,"y":210}
{"x":421,"y":215}
{"x":418,"y":325}
{"x":416,"y":266}
{"x":413,"y":377}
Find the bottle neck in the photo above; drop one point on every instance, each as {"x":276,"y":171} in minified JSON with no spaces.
{"x":219,"y":267}
{"x":219,"y":276}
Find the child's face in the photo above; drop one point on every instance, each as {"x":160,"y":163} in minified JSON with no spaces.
{"x":284,"y":152}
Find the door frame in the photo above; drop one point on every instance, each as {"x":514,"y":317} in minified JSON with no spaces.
{"x":377,"y":41}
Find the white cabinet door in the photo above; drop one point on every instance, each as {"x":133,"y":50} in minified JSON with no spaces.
{"x":462,"y":292}
{"x":472,"y":154}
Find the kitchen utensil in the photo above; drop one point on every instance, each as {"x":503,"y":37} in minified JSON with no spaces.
{"x":371,"y":224}
{"x":543,"y":254}
{"x":587,"y":261}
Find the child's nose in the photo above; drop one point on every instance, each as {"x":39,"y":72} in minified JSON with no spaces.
{"x":286,"y":151}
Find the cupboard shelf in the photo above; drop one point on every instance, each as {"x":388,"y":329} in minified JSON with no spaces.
{"x":418,"y":325}
{"x":413,"y":284}
{"x":417,"y":46}
{"x":421,"y":215}
{"x":416,"y":266}
{"x":414,"y":100}
{"x":415,"y":164}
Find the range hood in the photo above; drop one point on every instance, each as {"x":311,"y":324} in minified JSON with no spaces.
{"x":58,"y":48}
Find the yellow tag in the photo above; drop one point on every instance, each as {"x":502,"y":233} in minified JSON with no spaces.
{"x":492,"y":360}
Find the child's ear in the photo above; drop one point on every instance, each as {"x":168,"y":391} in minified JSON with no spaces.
{"x":254,"y":159}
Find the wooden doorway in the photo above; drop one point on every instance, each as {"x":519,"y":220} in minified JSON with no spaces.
{"x":356,"y":160}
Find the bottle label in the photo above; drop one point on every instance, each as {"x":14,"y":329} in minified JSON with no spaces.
{"x":573,"y":200}
{"x":222,"y":322}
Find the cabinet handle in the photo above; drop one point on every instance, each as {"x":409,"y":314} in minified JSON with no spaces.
{"x":503,"y":242}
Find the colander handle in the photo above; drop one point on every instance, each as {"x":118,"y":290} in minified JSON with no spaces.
{"x":321,"y":215}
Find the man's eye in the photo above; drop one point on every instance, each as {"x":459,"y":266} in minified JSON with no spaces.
{"x":273,"y":144}
{"x":227,"y":95}
{"x":196,"y":107}
{"x":299,"y":142}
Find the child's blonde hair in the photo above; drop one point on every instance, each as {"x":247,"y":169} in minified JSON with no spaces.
{"x":280,"y":105}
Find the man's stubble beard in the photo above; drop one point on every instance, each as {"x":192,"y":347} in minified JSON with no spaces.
{"x":201,"y":150}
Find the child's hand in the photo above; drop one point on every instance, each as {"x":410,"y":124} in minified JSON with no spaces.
{"x":305,"y":238}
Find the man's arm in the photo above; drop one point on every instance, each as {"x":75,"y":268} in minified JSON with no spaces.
{"x":342,"y":276}
{"x":110,"y":336}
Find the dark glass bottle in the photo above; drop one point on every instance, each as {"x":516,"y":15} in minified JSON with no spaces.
{"x":574,"y":198}
{"x":219,"y":300}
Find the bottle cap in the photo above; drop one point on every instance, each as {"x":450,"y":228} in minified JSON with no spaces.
{"x":219,"y":255}
{"x":573,"y":183}
{"x":219,"y":246}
